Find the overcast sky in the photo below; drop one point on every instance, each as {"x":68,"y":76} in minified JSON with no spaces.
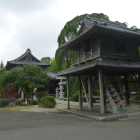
{"x":36,"y":24}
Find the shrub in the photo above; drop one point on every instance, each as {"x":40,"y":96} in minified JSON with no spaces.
{"x":75,"y":97}
{"x":48,"y":101}
{"x":3,"y":95}
{"x":35,"y":102}
{"x":40,"y":94}
{"x":10,"y":92}
{"x":19,"y":102}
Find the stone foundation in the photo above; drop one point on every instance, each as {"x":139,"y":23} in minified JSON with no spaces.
{"x":8,"y":102}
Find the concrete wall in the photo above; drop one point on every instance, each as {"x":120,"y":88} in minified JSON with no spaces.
{"x":8,"y":102}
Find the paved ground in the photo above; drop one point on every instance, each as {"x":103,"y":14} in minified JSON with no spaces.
{"x":74,"y":107}
{"x":50,"y":124}
{"x":19,"y":125}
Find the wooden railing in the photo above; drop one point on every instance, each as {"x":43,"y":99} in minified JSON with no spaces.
{"x":120,"y":55}
{"x":88,"y":56}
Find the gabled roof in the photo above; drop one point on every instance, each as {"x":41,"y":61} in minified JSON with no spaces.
{"x":89,"y":24}
{"x":101,"y":62}
{"x":55,"y":76}
{"x":25,"y":59}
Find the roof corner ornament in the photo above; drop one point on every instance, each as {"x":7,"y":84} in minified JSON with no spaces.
{"x":134,"y":28}
{"x":87,"y":17}
{"x":28,"y":50}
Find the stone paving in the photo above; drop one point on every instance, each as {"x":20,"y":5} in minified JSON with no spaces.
{"x":133,"y":111}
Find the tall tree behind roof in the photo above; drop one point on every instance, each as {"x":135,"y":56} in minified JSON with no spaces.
{"x":71,"y":27}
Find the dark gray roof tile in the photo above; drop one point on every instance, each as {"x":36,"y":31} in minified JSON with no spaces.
{"x":26,"y":58}
{"x":91,"y":23}
{"x":101,"y":62}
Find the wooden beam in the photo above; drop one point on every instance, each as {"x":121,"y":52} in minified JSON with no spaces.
{"x":84,"y":89}
{"x":90,"y":91}
{"x":80,"y":94}
{"x":126,"y":89}
{"x":68,"y":94}
{"x":105,"y":97}
{"x":139,"y":81}
{"x":100,"y":76}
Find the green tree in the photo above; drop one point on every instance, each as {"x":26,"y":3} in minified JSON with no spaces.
{"x":29,"y":77}
{"x":1,"y":65}
{"x":9,"y":78}
{"x":53,"y":67}
{"x":46,"y":59}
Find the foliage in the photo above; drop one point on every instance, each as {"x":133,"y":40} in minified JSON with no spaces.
{"x":48,"y":101}
{"x":2,"y":95}
{"x":2,"y":72}
{"x":19,"y":102}
{"x":75,"y":97}
{"x":10,"y":92}
{"x":29,"y":77}
{"x":40,"y":94}
{"x":1,"y":65}
{"x":124,"y":23}
{"x":8,"y":78}
{"x":70,"y":29}
{"x":53,"y":68}
{"x":46,"y":59}
{"x":35,"y":103}
{"x":135,"y":98}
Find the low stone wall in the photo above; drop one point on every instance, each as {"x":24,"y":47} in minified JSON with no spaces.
{"x":8,"y":102}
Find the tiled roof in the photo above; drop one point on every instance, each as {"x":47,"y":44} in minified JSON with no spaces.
{"x":101,"y":62}
{"x":91,"y":23}
{"x":55,"y":76}
{"x":25,"y":62}
{"x":26,"y":58}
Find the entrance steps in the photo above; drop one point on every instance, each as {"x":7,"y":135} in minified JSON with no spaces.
{"x":114,"y":99}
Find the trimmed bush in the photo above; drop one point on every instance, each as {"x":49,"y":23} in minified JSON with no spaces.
{"x":40,"y":94}
{"x":48,"y":101}
{"x":75,"y":97}
{"x":35,"y":102}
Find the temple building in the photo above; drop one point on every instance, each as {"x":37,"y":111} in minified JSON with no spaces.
{"x":25,"y":59}
{"x":108,"y":54}
{"x":28,"y":58}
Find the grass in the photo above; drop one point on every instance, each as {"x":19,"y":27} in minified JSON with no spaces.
{"x":16,"y":108}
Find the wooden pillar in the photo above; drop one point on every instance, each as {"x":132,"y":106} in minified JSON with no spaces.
{"x":105,"y":97}
{"x":90,"y":91}
{"x":126,"y":89}
{"x":100,"y":76}
{"x":80,"y":93}
{"x":68,"y":94}
{"x":139,"y":82}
